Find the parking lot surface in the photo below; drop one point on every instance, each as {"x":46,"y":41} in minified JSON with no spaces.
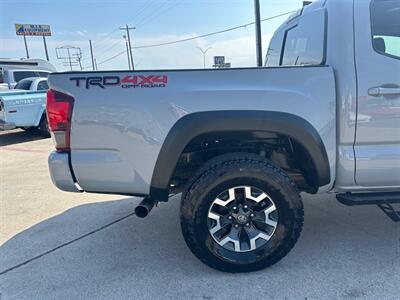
{"x":57,"y":245}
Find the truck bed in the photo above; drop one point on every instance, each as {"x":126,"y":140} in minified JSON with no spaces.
{"x":121,"y":118}
{"x":21,"y":108}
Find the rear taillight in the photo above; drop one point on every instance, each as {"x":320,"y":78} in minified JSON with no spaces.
{"x":59,"y":111}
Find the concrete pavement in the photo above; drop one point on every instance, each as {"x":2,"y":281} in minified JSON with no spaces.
{"x":65,"y":246}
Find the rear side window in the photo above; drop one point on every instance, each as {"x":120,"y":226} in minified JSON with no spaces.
{"x":304,"y":43}
{"x":23,"y":85}
{"x":19,"y":75}
{"x":273,"y":57}
{"x":385,"y":27}
{"x":42,"y":86}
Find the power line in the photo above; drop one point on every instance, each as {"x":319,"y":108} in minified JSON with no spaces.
{"x":160,"y":13}
{"x":195,"y":37}
{"x":140,"y":12}
{"x":144,"y":20}
{"x":152,"y":16}
{"x":102,"y":54}
{"x":209,"y":34}
{"x":152,"y":13}
{"x":111,"y":58}
{"x":116,"y":43}
{"x":108,"y":35}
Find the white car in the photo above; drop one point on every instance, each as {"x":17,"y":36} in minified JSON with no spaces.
{"x":33,"y":84}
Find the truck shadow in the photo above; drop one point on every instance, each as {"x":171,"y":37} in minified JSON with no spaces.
{"x":18,"y":136}
{"x":74,"y":254}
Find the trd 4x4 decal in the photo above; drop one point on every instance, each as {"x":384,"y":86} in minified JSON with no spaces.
{"x":128,"y":81}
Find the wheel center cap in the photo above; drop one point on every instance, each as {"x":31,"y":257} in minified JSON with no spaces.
{"x":242,"y":218}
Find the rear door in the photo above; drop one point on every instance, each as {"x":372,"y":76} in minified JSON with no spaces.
{"x":377,"y":49}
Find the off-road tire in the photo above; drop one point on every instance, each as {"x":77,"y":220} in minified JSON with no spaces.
{"x":240,"y":169}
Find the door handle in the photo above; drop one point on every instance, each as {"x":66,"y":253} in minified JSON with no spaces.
{"x":384,"y":91}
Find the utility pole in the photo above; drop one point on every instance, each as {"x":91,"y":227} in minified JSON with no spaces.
{"x":45,"y":48}
{"x":91,"y":53}
{"x":204,"y":55}
{"x":258,"y":33}
{"x":127,"y":28}
{"x":26,"y":47}
{"x":127,"y":52}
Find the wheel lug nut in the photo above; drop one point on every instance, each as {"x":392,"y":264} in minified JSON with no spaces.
{"x":251,"y":215}
{"x":245,"y":206}
{"x":247,"y":224}
{"x":230,"y":217}
{"x":234,"y":208}
{"x":236,"y":225}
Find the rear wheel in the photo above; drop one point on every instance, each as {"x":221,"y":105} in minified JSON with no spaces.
{"x":241,"y":213}
{"x":44,"y":127}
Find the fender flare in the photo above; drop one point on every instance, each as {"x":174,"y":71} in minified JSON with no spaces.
{"x":192,"y":125}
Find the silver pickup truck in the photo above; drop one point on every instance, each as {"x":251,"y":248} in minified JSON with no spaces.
{"x":323,"y":116}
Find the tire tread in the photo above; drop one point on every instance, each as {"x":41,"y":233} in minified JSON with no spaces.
{"x":218,"y":165}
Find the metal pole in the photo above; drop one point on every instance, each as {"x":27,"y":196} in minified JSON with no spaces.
{"x":127,"y":52}
{"x":69,"y":59}
{"x":91,"y":53}
{"x":204,"y":55}
{"x":95,"y":64}
{"x":127,"y":28}
{"x":130,"y":47}
{"x":79,"y":56}
{"x":26,"y":47}
{"x":258,"y":33}
{"x":45,"y":48}
{"x":79,"y":61}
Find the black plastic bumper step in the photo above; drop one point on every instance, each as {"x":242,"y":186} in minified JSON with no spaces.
{"x":383,"y":200}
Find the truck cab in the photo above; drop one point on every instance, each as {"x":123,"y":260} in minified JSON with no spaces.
{"x":364,"y":51}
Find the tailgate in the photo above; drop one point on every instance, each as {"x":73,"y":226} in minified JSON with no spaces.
{"x":22,"y":109}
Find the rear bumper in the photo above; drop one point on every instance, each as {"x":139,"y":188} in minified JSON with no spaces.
{"x":60,"y":172}
{"x":6,"y":126}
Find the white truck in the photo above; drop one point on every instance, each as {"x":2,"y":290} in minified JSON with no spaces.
{"x":25,"y":110}
{"x":323,"y":116}
{"x":14,"y":70}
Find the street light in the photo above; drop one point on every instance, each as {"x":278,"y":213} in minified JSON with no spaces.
{"x":204,"y":55}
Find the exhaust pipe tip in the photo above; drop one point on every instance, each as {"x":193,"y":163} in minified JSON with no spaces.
{"x":141,"y":211}
{"x":144,"y":207}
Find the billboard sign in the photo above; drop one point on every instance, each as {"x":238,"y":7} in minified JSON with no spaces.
{"x":31,"y":29}
{"x":219,"y":60}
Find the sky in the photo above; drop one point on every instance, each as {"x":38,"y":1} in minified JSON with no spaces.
{"x":75,"y":22}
